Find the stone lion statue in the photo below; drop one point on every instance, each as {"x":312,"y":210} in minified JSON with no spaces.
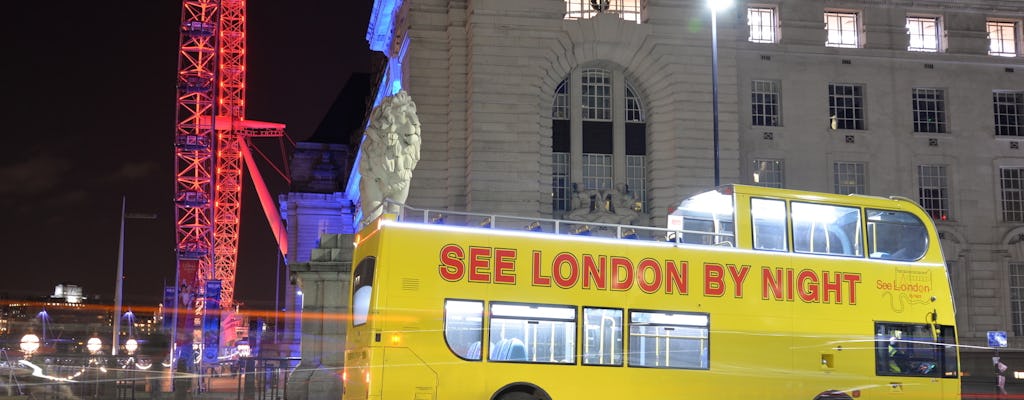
{"x":390,"y":151}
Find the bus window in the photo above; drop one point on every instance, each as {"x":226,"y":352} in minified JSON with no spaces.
{"x":914,"y":350}
{"x":663,"y":339}
{"x":362,"y":288}
{"x":706,"y":218}
{"x":602,"y":336}
{"x":896,"y":235}
{"x":769,"y":223}
{"x":533,"y":333}
{"x":463,"y":327}
{"x":826,"y":229}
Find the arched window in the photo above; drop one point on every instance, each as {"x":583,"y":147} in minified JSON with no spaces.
{"x":607,"y":121}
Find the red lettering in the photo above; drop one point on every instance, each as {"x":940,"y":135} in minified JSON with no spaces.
{"x":648,"y":268}
{"x":676,"y":277}
{"x":832,"y":287}
{"x":771,"y":282}
{"x":595,"y":273}
{"x":452,"y":268}
{"x":738,"y":276}
{"x":505,"y":266}
{"x":622,"y":273}
{"x":789,"y":284}
{"x":479,"y":264}
{"x":538,"y":277}
{"x":563,"y":280}
{"x":807,"y":281}
{"x":714,"y":280}
{"x":853,"y":280}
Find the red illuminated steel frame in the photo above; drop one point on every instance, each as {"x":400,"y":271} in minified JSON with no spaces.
{"x":211,"y":140}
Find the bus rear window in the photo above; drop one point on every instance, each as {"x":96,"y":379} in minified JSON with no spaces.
{"x":362,"y":289}
{"x":463,"y":328}
{"x":668,"y":340}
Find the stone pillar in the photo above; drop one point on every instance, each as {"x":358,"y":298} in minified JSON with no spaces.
{"x":324,"y":282}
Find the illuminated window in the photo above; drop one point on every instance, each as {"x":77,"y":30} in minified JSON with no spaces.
{"x":933,"y":190}
{"x":662,"y":339}
{"x":628,"y":10}
{"x":463,"y":328}
{"x":764,"y":103}
{"x":602,"y":336}
{"x":768,"y":173}
{"x":1011,"y":184}
{"x":1008,"y":111}
{"x":929,"y":108}
{"x":763,"y":25}
{"x":846,"y":105}
{"x":1002,"y":38}
{"x":849,"y":178}
{"x":843,"y":29}
{"x":924,"y":34}
{"x":533,"y":333}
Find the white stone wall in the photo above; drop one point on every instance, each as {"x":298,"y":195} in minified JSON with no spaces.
{"x":483,"y":74}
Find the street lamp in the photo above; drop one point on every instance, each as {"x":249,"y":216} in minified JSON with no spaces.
{"x":715,"y":6}
{"x":131,"y":345}
{"x":94,"y":344}
{"x":29,"y":344}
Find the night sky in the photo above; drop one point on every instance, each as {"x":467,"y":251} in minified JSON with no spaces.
{"x":89,"y":114}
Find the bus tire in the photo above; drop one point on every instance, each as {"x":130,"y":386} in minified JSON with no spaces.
{"x":521,"y":391}
{"x":517,"y":396}
{"x":832,"y":395}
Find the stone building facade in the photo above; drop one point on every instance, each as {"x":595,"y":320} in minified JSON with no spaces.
{"x":519,"y":100}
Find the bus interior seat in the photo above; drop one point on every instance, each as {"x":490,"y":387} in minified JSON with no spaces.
{"x":509,"y":350}
{"x":517,"y":350}
{"x":473,"y":352}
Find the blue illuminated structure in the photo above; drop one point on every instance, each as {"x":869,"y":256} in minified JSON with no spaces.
{"x":380,"y":34}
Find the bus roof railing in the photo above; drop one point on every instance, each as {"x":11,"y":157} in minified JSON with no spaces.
{"x":559,"y":226}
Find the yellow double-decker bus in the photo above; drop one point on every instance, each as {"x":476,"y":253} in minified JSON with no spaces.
{"x":750,"y":292}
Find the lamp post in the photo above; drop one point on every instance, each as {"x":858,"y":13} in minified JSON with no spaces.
{"x":119,"y":280}
{"x":715,"y":6}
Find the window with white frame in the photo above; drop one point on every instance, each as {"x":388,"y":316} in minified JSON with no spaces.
{"x":929,"y":107}
{"x":846,"y":105}
{"x":768,"y":173}
{"x":924,"y":32}
{"x":561,"y":185}
{"x":597,"y":171}
{"x":628,"y":10}
{"x":764,"y":103}
{"x":1008,"y":111}
{"x":594,"y":166}
{"x":849,"y":177}
{"x":1016,"y":271}
{"x":597,"y":95}
{"x":763,"y":25}
{"x":843,"y":29}
{"x":1002,"y":38}
{"x":933,"y":190}
{"x":1011,"y":185}
{"x":560,"y":110}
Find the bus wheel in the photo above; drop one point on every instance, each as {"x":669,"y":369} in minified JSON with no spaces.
{"x":833,"y":395}
{"x":516,"y":396}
